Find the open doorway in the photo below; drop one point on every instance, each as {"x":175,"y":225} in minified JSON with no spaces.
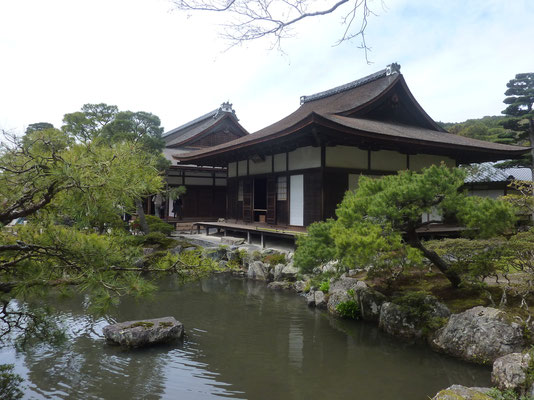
{"x":260,"y":199}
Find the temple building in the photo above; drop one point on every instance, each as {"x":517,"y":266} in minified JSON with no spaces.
{"x":295,"y":171}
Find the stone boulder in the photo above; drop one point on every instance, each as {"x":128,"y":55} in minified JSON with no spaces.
{"x":344,"y":284}
{"x":277,"y":272}
{"x":289,"y":273}
{"x":320,"y":299}
{"x":216,"y":253}
{"x":299,"y":286}
{"x":144,"y":332}
{"x":480,"y":335}
{"x":459,"y":392}
{"x":511,"y":372}
{"x":257,"y":271}
{"x":408,"y":323}
{"x":310,"y":298}
{"x":370,"y":303}
{"x":335,"y":298}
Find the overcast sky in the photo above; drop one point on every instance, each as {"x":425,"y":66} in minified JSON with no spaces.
{"x":141,"y":55}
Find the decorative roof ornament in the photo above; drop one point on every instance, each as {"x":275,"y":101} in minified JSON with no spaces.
{"x":225,"y":107}
{"x":389,"y":70}
{"x":393,"y":68}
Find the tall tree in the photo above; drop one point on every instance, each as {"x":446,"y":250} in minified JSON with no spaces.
{"x":377,"y":226}
{"x":104,"y":124}
{"x":520,"y":115}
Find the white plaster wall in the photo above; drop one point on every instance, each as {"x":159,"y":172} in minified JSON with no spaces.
{"x":242,"y":168}
{"x":199,"y":181}
{"x":305,"y":157}
{"x":280,"y":162}
{"x":346,"y":157}
{"x":232,"y":169}
{"x":220,"y":182}
{"x":420,"y":161}
{"x":296,"y":200}
{"x":386,"y":160}
{"x":262,"y":167}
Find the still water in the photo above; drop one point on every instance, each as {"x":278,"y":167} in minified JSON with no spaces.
{"x":243,"y":341}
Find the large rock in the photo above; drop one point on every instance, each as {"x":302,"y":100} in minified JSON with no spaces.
{"x":216,"y":253}
{"x":257,"y":271}
{"x":320,"y":299}
{"x":459,"y":392}
{"x":310,"y":298}
{"x":335,"y":298}
{"x":299,"y":286}
{"x":511,"y":372}
{"x":344,"y":284}
{"x":277,"y":271}
{"x":289,"y":273}
{"x":410,"y":322}
{"x":144,"y":332}
{"x":480,"y":335}
{"x":370,"y":303}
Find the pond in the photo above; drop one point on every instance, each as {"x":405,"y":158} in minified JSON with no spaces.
{"x":243,"y":341}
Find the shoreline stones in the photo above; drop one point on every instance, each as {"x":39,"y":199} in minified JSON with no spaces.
{"x":459,"y":392}
{"x":145,"y":332}
{"x":512,"y":372}
{"x":480,"y":335}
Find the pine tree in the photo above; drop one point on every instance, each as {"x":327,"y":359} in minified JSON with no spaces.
{"x":520,"y":115}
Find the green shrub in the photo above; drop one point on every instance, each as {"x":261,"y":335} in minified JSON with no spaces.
{"x":509,"y":394}
{"x":9,"y":383}
{"x":275,"y":259}
{"x":325,"y":286}
{"x":349,"y":309}
{"x":157,"y":225}
{"x":316,"y":248}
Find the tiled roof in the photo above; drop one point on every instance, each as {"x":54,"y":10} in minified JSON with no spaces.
{"x":487,"y":172}
{"x":340,"y":106}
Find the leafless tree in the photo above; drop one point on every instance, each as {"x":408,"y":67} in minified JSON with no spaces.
{"x":254,"y":19}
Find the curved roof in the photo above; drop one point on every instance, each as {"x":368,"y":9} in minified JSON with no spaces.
{"x":353,"y":109}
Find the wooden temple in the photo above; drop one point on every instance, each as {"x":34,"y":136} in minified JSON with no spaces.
{"x":296,"y":171}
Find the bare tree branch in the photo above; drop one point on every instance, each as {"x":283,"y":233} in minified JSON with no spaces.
{"x":256,"y":19}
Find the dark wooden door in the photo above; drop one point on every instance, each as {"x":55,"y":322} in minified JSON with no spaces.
{"x":271,"y":201}
{"x":247,"y":200}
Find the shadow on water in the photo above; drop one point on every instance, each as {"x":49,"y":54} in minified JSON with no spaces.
{"x":243,"y":341}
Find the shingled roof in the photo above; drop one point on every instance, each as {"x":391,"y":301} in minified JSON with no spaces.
{"x":349,"y":109}
{"x":197,"y":127}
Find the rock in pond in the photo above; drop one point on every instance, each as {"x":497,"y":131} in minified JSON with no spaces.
{"x":480,"y":335}
{"x":257,"y":271}
{"x":459,"y":392}
{"x":280,"y":285}
{"x":145,"y":332}
{"x":511,"y":372}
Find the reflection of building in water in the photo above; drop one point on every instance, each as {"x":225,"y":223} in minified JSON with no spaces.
{"x":296,"y":344}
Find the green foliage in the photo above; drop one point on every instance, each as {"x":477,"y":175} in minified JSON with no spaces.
{"x":10,"y":383}
{"x":157,"y":225}
{"x":325,"y":286}
{"x":377,"y":225}
{"x":508,"y":394}
{"x":349,"y":309}
{"x":176,"y":192}
{"x":189,"y":265}
{"x":275,"y":259}
{"x":315,"y":248}
{"x":488,"y":128}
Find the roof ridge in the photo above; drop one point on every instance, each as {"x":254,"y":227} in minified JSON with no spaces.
{"x":393,"y":68}
{"x":190,"y":123}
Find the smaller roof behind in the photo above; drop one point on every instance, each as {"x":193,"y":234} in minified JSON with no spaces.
{"x":487,"y":172}
{"x":198,"y":126}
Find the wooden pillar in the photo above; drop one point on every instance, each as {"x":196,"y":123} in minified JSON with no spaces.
{"x":262,"y":240}
{"x":248,"y":237}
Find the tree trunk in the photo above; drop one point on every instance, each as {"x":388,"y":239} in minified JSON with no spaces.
{"x":141,"y":215}
{"x":413,"y":240}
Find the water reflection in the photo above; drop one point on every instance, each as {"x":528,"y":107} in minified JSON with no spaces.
{"x":243,"y":341}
